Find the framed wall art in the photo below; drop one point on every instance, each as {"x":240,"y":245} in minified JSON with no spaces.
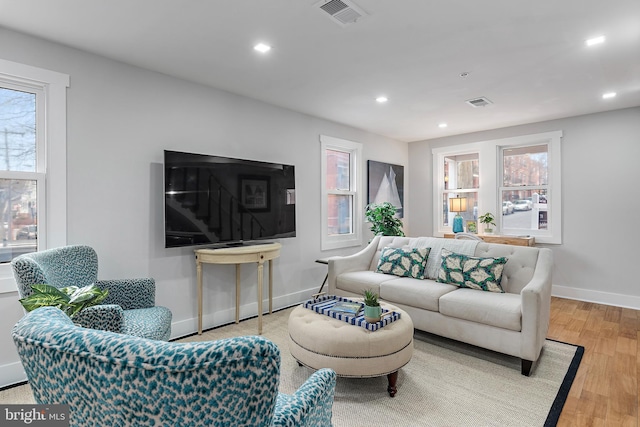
{"x":254,"y":192}
{"x":386,"y":184}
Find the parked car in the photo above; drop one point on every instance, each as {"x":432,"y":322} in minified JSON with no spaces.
{"x":522,"y":205}
{"x":28,"y":232}
{"x":507,"y":208}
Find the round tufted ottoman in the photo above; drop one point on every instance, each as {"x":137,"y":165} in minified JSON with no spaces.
{"x":319,"y":341}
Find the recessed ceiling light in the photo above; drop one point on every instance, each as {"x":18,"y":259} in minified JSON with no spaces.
{"x":595,"y":40}
{"x":381,"y":99}
{"x":263,"y":48}
{"x":609,"y":95}
{"x":442,"y":125}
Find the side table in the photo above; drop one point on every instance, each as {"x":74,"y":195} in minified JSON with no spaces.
{"x":239,"y":255}
{"x":326,"y":262}
{"x":505,"y":240}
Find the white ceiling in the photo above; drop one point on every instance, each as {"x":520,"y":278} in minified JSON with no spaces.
{"x":529,"y":58}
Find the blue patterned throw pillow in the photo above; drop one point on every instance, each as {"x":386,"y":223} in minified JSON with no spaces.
{"x":403,"y":262}
{"x":471,"y":272}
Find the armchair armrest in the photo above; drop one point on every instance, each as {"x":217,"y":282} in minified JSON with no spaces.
{"x":310,"y":405}
{"x":105,"y":317}
{"x":130,"y":293}
{"x":536,"y":306}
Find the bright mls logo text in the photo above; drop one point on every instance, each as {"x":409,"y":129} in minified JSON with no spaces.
{"x":48,"y":415}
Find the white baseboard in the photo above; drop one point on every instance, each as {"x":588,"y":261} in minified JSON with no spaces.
{"x":606,"y":298}
{"x":190,"y":326}
{"x":12,"y":373}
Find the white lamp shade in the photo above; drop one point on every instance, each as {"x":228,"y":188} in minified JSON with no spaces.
{"x":458,"y":204}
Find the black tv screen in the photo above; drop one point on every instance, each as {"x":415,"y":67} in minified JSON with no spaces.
{"x":221,"y":201}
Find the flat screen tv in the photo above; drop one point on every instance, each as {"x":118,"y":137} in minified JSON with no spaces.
{"x":221,"y":201}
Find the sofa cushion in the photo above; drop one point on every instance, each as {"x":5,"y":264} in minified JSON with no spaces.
{"x":358,"y":281}
{"x":422,"y":294}
{"x":471,"y":272}
{"x":489,"y":308}
{"x":384,"y":242}
{"x":403,"y":262}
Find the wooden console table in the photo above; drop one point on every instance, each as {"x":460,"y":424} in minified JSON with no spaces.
{"x":239,"y":255}
{"x":505,"y":240}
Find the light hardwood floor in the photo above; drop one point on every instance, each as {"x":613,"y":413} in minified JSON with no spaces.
{"x":605,"y":391}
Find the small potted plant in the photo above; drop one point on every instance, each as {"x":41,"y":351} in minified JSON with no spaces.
{"x":488,"y":220}
{"x":383,"y":219}
{"x":372,"y":309}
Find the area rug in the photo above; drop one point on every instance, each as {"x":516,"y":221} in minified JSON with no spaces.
{"x":446,"y":383}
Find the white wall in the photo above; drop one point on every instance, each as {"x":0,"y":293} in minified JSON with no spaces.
{"x":120,"y":119}
{"x":600,"y":175}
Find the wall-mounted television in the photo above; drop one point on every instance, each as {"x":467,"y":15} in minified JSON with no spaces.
{"x":222,"y":201}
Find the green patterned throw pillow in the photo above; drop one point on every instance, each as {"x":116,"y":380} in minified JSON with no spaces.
{"x":471,"y":272}
{"x":403,"y":262}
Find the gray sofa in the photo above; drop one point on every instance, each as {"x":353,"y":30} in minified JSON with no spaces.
{"x":514,"y":322}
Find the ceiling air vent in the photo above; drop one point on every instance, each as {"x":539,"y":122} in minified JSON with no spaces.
{"x":342,"y":12}
{"x":479,"y":102}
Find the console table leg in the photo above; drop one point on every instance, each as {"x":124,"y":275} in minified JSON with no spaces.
{"x":237,"y":293}
{"x":260,"y":284}
{"x":393,"y":378}
{"x":199,"y":279}
{"x":270,"y":286}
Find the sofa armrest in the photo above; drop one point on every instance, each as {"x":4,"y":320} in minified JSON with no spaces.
{"x":310,"y":405}
{"x":130,"y":293}
{"x":104,"y":317}
{"x":536,"y":306}
{"x":359,"y":261}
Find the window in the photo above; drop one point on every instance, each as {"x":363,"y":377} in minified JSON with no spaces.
{"x":516,"y":179}
{"x":461,"y":180}
{"x":20,"y":176}
{"x":32,"y":163}
{"x":341,"y":183}
{"x":525,"y":184}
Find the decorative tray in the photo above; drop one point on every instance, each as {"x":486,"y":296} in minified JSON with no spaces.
{"x":324,"y":305}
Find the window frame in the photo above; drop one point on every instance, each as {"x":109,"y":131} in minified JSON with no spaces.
{"x":50,"y":175}
{"x":489,"y":197}
{"x":355,"y":190}
{"x":459,"y":191}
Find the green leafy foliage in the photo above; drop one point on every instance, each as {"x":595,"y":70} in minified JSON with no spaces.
{"x":487,"y":219}
{"x":383,"y":220}
{"x":371,"y":298}
{"x":71,"y":300}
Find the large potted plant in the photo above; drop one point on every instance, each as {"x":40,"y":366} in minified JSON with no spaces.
{"x":383,"y":219}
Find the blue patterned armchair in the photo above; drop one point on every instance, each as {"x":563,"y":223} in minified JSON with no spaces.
{"x":128,"y":309}
{"x":110,"y":379}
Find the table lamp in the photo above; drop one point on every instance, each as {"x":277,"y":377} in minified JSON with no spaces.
{"x":457,"y":205}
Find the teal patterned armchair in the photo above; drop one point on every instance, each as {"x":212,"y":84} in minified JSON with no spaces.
{"x":128,"y":309}
{"x":110,"y":379}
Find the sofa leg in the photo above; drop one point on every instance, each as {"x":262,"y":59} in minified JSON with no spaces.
{"x":526,"y":367}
